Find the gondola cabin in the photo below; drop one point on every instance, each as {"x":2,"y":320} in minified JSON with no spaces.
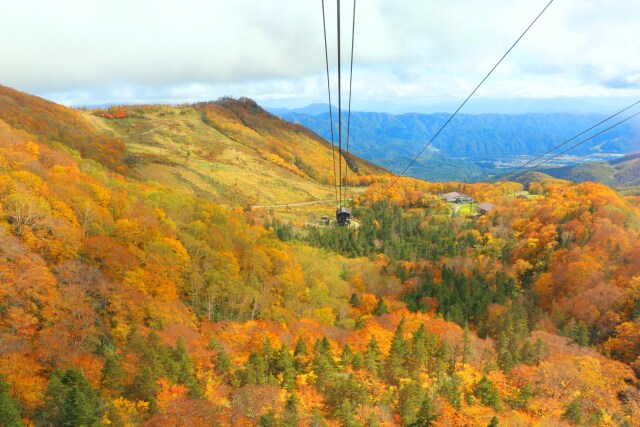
{"x":343,"y":216}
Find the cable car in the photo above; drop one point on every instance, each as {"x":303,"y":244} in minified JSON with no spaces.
{"x":343,"y":216}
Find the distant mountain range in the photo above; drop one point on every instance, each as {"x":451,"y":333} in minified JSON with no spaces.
{"x":310,"y":110}
{"x":472,"y":147}
{"x":479,"y":105}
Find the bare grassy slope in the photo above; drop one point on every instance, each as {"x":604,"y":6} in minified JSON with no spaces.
{"x":230,"y":151}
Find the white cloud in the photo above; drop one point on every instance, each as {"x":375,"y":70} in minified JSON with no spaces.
{"x":88,"y":52}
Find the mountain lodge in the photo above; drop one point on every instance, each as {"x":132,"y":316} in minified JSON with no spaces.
{"x":455,"y":197}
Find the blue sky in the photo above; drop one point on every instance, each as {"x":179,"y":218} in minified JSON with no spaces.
{"x":408,"y":55}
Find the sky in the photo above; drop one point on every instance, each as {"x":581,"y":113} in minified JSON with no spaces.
{"x":409,"y":54}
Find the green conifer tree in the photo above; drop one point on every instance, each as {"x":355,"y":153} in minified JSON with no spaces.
{"x":573,"y":412}
{"x":427,"y":413}
{"x":419,"y":357}
{"x":300,"y":356}
{"x":354,"y":300}
{"x":410,"y":399}
{"x":521,"y":397}
{"x":301,"y":348}
{"x":487,"y":393}
{"x":269,"y":419}
{"x":346,"y":414}
{"x":441,"y":355}
{"x":372,"y":357}
{"x":223,"y":365}
{"x":466,"y":343}
{"x":10,"y":410}
{"x":255,"y":371}
{"x":112,"y":374}
{"x":581,"y":334}
{"x":268,"y":355}
{"x":449,"y":388}
{"x":347,"y":356}
{"x":381,"y":308}
{"x":323,"y":365}
{"x":52,"y":410}
{"x":285,"y":366}
{"x":184,"y":371}
{"x":291,"y":417}
{"x":395,"y":367}
{"x":357,"y":361}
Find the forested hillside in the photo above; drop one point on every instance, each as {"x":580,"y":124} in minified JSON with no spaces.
{"x":124,"y":301}
{"x":49,"y":122}
{"x":621,"y":173}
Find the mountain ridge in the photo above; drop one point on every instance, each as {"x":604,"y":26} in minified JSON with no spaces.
{"x":469,"y":139}
{"x":229,"y":150}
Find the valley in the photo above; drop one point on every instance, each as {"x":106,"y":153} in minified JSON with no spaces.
{"x":510,"y":162}
{"x":190,"y":236}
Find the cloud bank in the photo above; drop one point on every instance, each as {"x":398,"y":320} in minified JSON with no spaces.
{"x":84,"y":52}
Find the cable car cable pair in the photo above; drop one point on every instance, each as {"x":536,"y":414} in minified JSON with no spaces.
{"x":343,"y":214}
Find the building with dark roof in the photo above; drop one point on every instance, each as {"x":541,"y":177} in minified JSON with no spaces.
{"x":485,"y":207}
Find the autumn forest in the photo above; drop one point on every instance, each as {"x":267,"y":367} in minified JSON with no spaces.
{"x":138,"y":286}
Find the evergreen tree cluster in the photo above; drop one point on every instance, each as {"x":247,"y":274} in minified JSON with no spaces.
{"x":70,"y":401}
{"x":269,"y":366}
{"x":157,"y":361}
{"x":333,"y":372}
{"x":386,"y":228}
{"x":462,"y":299}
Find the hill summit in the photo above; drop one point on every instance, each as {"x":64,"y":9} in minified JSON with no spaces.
{"x":229,"y":150}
